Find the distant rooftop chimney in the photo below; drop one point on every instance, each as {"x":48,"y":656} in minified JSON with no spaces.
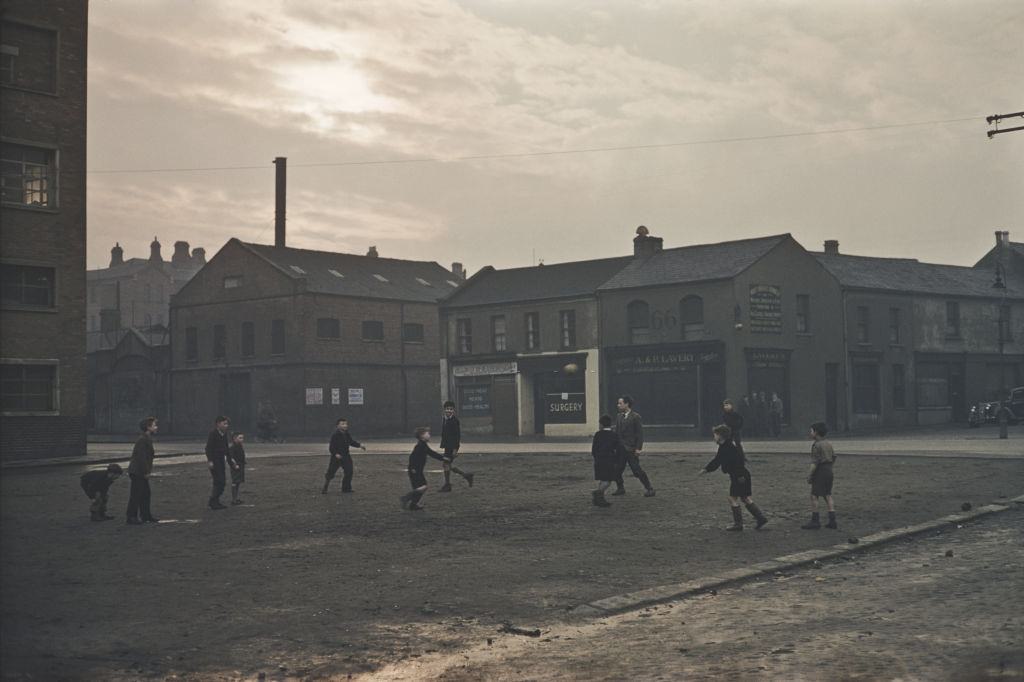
{"x":645,"y":245}
{"x":458,"y":270}
{"x":280,"y":198}
{"x":154,"y":251}
{"x":1002,"y":238}
{"x":199,"y":255}
{"x":831,"y":247}
{"x":116,"y":255}
{"x":180,"y":256}
{"x":372,"y":252}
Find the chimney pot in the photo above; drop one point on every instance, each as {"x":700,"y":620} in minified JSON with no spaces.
{"x":116,"y":255}
{"x":831,"y":247}
{"x":1002,"y":238}
{"x":180,"y":256}
{"x":458,"y":270}
{"x":645,"y":245}
{"x":372,"y":252}
{"x":154,"y":251}
{"x":199,"y":255}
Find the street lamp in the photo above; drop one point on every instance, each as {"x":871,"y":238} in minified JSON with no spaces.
{"x":1003,"y":417}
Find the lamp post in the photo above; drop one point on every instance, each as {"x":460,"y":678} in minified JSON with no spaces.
{"x":1003,"y":417}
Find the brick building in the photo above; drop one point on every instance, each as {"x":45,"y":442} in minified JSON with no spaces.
{"x":521,"y":349}
{"x":43,"y":54}
{"x":308,"y":336}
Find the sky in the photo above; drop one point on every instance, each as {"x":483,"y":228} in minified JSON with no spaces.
{"x":706,"y":121}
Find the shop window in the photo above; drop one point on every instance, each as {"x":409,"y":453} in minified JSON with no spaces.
{"x":328,"y":328}
{"x":373,"y":330}
{"x":865,"y":389}
{"x":863,"y":324}
{"x":475,"y":397}
{"x":895,"y":333}
{"x":248,"y":339}
{"x":220,"y":342}
{"x":412,"y":332}
{"x":191,"y":344}
{"x":803,"y":314}
{"x":532,"y":322}
{"x":28,"y":387}
{"x":277,"y":337}
{"x":639,"y":315}
{"x":691,"y":316}
{"x":952,"y":320}
{"x":27,"y":285}
{"x":567,"y":326}
{"x":499,"y":334}
{"x":899,"y":387}
{"x":464,"y":335}
{"x":28,"y":175}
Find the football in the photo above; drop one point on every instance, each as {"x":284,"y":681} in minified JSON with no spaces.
{"x":571,"y":368}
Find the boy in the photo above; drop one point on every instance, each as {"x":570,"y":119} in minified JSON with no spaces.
{"x":139,"y":470}
{"x":820,"y":477}
{"x":630,"y":429}
{"x":451,"y":440}
{"x":216,"y":455}
{"x":607,"y":451}
{"x":341,"y":441}
{"x":95,"y":484}
{"x":731,"y":459}
{"x":236,"y":460}
{"x":418,"y":460}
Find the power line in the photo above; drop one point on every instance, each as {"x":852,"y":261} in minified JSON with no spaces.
{"x":559,"y":152}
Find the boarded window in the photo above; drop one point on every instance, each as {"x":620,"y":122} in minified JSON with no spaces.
{"x":373,"y":330}
{"x":328,"y":328}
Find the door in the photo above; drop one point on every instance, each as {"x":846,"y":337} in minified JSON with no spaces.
{"x":503,"y":405}
{"x":832,"y":394}
{"x":957,"y":400}
{"x":539,"y":402}
{"x":236,"y":400}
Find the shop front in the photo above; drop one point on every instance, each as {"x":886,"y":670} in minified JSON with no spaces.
{"x":485,"y":397}
{"x":556,"y":387}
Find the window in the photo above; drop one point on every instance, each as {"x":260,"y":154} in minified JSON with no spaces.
{"x":803,"y":314}
{"x":899,"y":387}
{"x":863,"y":324}
{"x":412,"y":332}
{"x":499,"y":333}
{"x":27,"y":285}
{"x":28,"y":176}
{"x":277,"y":337}
{"x":932,"y":384}
{"x":1005,"y":323}
{"x":691,"y":315}
{"x":248,"y":339}
{"x":29,"y":387}
{"x":639,"y":316}
{"x":28,"y":57}
{"x":952,"y":320}
{"x":532,"y":321}
{"x":865,"y":389}
{"x":567,"y":329}
{"x":453,"y":284}
{"x":328,"y":328}
{"x":373,"y":330}
{"x":895,"y":334}
{"x":191,"y":344}
{"x":220,"y":342}
{"x":232,"y":282}
{"x":464,"y":333}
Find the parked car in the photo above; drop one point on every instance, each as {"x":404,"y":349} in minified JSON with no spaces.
{"x":987,"y":412}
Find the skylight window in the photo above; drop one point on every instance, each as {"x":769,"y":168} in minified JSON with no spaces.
{"x":424,"y":282}
{"x":336,"y":273}
{"x":297,"y":269}
{"x":454,"y":284}
{"x":380,"y":278}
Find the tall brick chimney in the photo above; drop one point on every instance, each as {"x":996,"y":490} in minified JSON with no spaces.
{"x":116,"y":255}
{"x":458,"y":270}
{"x":1002,"y":238}
{"x":372,"y":252}
{"x":154,"y":251}
{"x":831,"y":247}
{"x":644,"y":245}
{"x":199,"y":255}
{"x":180,"y":256}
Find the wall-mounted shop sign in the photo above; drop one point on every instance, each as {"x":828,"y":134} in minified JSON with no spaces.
{"x":765,"y":309}
{"x":767,"y":357}
{"x":644,"y":363}
{"x":485,"y":369}
{"x":565,"y":408}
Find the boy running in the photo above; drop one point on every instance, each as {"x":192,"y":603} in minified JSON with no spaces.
{"x":417,"y":461}
{"x":341,"y":443}
{"x":820,"y":477}
{"x":451,"y":441}
{"x":730,"y":459}
{"x":630,"y":429}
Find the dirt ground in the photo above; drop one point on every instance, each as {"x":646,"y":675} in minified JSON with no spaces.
{"x":296,"y":584}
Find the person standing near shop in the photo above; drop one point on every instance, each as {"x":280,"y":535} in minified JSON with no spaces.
{"x":630,"y":429}
{"x":216,"y":456}
{"x":775,"y":411}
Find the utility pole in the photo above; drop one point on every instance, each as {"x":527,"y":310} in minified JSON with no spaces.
{"x":996,"y":118}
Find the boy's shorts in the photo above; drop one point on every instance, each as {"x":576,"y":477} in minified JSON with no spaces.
{"x":821,"y":484}
{"x":449,"y":455}
{"x":417,"y":479}
{"x":238,"y":475}
{"x":739,"y":484}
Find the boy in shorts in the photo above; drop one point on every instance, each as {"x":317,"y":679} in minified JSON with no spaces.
{"x":820,"y":477}
{"x":236,"y":460}
{"x":451,"y":441}
{"x":417,"y":461}
{"x":730,"y":458}
{"x":96,"y":484}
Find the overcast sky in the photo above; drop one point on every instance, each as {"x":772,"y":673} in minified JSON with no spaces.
{"x":179,"y":84}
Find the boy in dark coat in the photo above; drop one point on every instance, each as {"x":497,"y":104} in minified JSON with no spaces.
{"x":608,"y":451}
{"x":820,"y":477}
{"x":341,"y":457}
{"x":730,"y":459}
{"x":451,"y":441}
{"x":139,"y":470}
{"x":417,"y":462}
{"x":236,"y":460}
{"x":216,"y":457}
{"x":96,"y":484}
{"x":630,"y":429}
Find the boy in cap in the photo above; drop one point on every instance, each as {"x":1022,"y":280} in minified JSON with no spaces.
{"x":95,"y":484}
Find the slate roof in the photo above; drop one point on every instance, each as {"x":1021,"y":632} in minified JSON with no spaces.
{"x":537,"y":283}
{"x":362,"y":276}
{"x":131,"y":266}
{"x":912,"y":276}
{"x":702,"y":262}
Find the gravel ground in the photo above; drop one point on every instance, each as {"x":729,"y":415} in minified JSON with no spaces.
{"x":296,"y":584}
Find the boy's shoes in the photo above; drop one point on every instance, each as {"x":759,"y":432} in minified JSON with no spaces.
{"x":832,"y":521}
{"x":619,"y":491}
{"x":737,"y":519}
{"x":236,"y":502}
{"x":346,"y":490}
{"x":216,"y":505}
{"x":597,"y":497}
{"x":151,"y":519}
{"x":446,"y":488}
{"x":134,"y":522}
{"x":324,"y":490}
{"x":469,"y":479}
{"x":404,"y":501}
{"x":814,"y":523}
{"x":756,"y":512}
{"x":649,"y":492}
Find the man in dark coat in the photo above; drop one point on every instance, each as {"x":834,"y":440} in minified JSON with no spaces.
{"x":217,"y":444}
{"x":139,"y":470}
{"x":96,"y":484}
{"x":451,"y":441}
{"x":341,"y":457}
{"x":630,"y":429}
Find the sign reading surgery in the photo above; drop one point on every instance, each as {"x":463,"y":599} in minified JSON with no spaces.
{"x":565,"y":408}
